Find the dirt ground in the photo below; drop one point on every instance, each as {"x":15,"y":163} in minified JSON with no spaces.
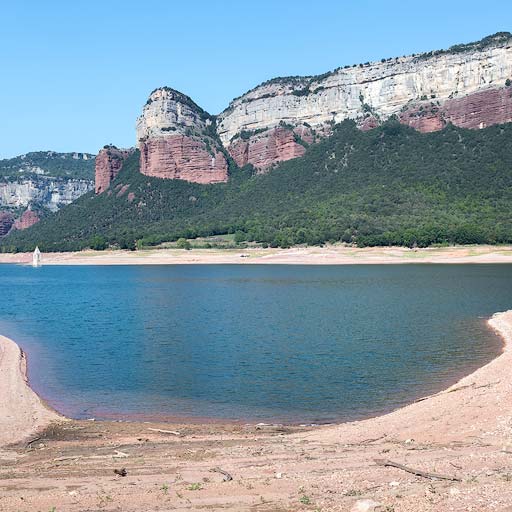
{"x":327,"y":255}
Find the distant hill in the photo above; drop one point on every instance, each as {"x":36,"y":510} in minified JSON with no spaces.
{"x":43,"y":181}
{"x":388,"y":186}
{"x":49,"y":163}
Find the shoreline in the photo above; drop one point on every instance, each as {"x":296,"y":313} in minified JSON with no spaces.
{"x":493,"y":374}
{"x":327,"y":255}
{"x":22,"y":412}
{"x":44,"y":414}
{"x":464,"y":431}
{"x":141,"y":417}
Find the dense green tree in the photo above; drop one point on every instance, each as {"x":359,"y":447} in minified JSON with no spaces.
{"x":183,"y":243}
{"x":240,"y":236}
{"x":98,"y":243}
{"x":389,"y":186}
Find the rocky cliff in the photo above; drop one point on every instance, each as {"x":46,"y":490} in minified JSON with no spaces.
{"x":109,"y":162}
{"x":27,"y":219}
{"x":177,"y":140}
{"x":45,"y":180}
{"x":465,"y":85}
{"x":6,"y":222}
{"x":45,"y":192}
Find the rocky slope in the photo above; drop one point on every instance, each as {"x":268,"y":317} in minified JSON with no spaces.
{"x":45,"y":192}
{"x":44,"y":180}
{"x":465,"y":85}
{"x":468,"y":85}
{"x":177,"y":140}
{"x":27,"y":219}
{"x":389,"y":186}
{"x":109,"y":162}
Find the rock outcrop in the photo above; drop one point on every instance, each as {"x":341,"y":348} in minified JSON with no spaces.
{"x":45,"y":180}
{"x":46,"y":192}
{"x":465,"y":85}
{"x":109,"y":162}
{"x":177,"y":140}
{"x":271,"y":146}
{"x":28,"y":219}
{"x":477,"y":110}
{"x":6,"y":222}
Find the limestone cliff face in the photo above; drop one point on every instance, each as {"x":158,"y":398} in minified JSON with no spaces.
{"x":107,"y":166}
{"x":45,"y":180}
{"x":465,"y":85}
{"x":177,"y":140}
{"x":47,"y":192}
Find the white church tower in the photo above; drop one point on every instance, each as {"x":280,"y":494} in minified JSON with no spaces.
{"x":36,"y":258}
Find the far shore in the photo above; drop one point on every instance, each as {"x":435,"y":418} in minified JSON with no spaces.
{"x":327,"y":255}
{"x":455,"y":447}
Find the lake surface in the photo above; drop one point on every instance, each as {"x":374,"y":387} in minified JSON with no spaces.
{"x":260,"y":343}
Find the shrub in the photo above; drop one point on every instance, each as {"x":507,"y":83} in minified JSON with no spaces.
{"x":98,"y":243}
{"x":183,"y":243}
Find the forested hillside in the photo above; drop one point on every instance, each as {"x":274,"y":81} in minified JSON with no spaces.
{"x":389,"y":186}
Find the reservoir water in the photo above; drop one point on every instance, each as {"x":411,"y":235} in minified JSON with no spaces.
{"x":252,"y":342}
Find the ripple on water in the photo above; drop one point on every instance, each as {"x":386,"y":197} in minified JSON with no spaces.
{"x":287,"y":343}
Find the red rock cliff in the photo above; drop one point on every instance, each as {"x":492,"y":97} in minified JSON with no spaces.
{"x":478,"y":110}
{"x":6,"y":222}
{"x":29,"y":218}
{"x":468,"y":85}
{"x":108,"y":164}
{"x":265,"y":149}
{"x":177,"y":140}
{"x":184,"y":158}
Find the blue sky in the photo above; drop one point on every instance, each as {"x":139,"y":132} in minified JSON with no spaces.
{"x":75,"y":74}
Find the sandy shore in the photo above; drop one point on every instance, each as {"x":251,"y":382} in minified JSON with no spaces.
{"x":328,"y":255}
{"x":22,"y":413}
{"x":464,"y":433}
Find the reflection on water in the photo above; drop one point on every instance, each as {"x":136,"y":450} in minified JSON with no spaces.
{"x":292,"y":343}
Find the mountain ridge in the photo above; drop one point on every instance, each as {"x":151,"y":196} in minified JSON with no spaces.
{"x":467,"y":85}
{"x":493,"y":39}
{"x":49,"y":163}
{"x":192,"y":172}
{"x":370,"y":93}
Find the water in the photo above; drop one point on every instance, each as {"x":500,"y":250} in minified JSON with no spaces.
{"x":261,"y":343}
